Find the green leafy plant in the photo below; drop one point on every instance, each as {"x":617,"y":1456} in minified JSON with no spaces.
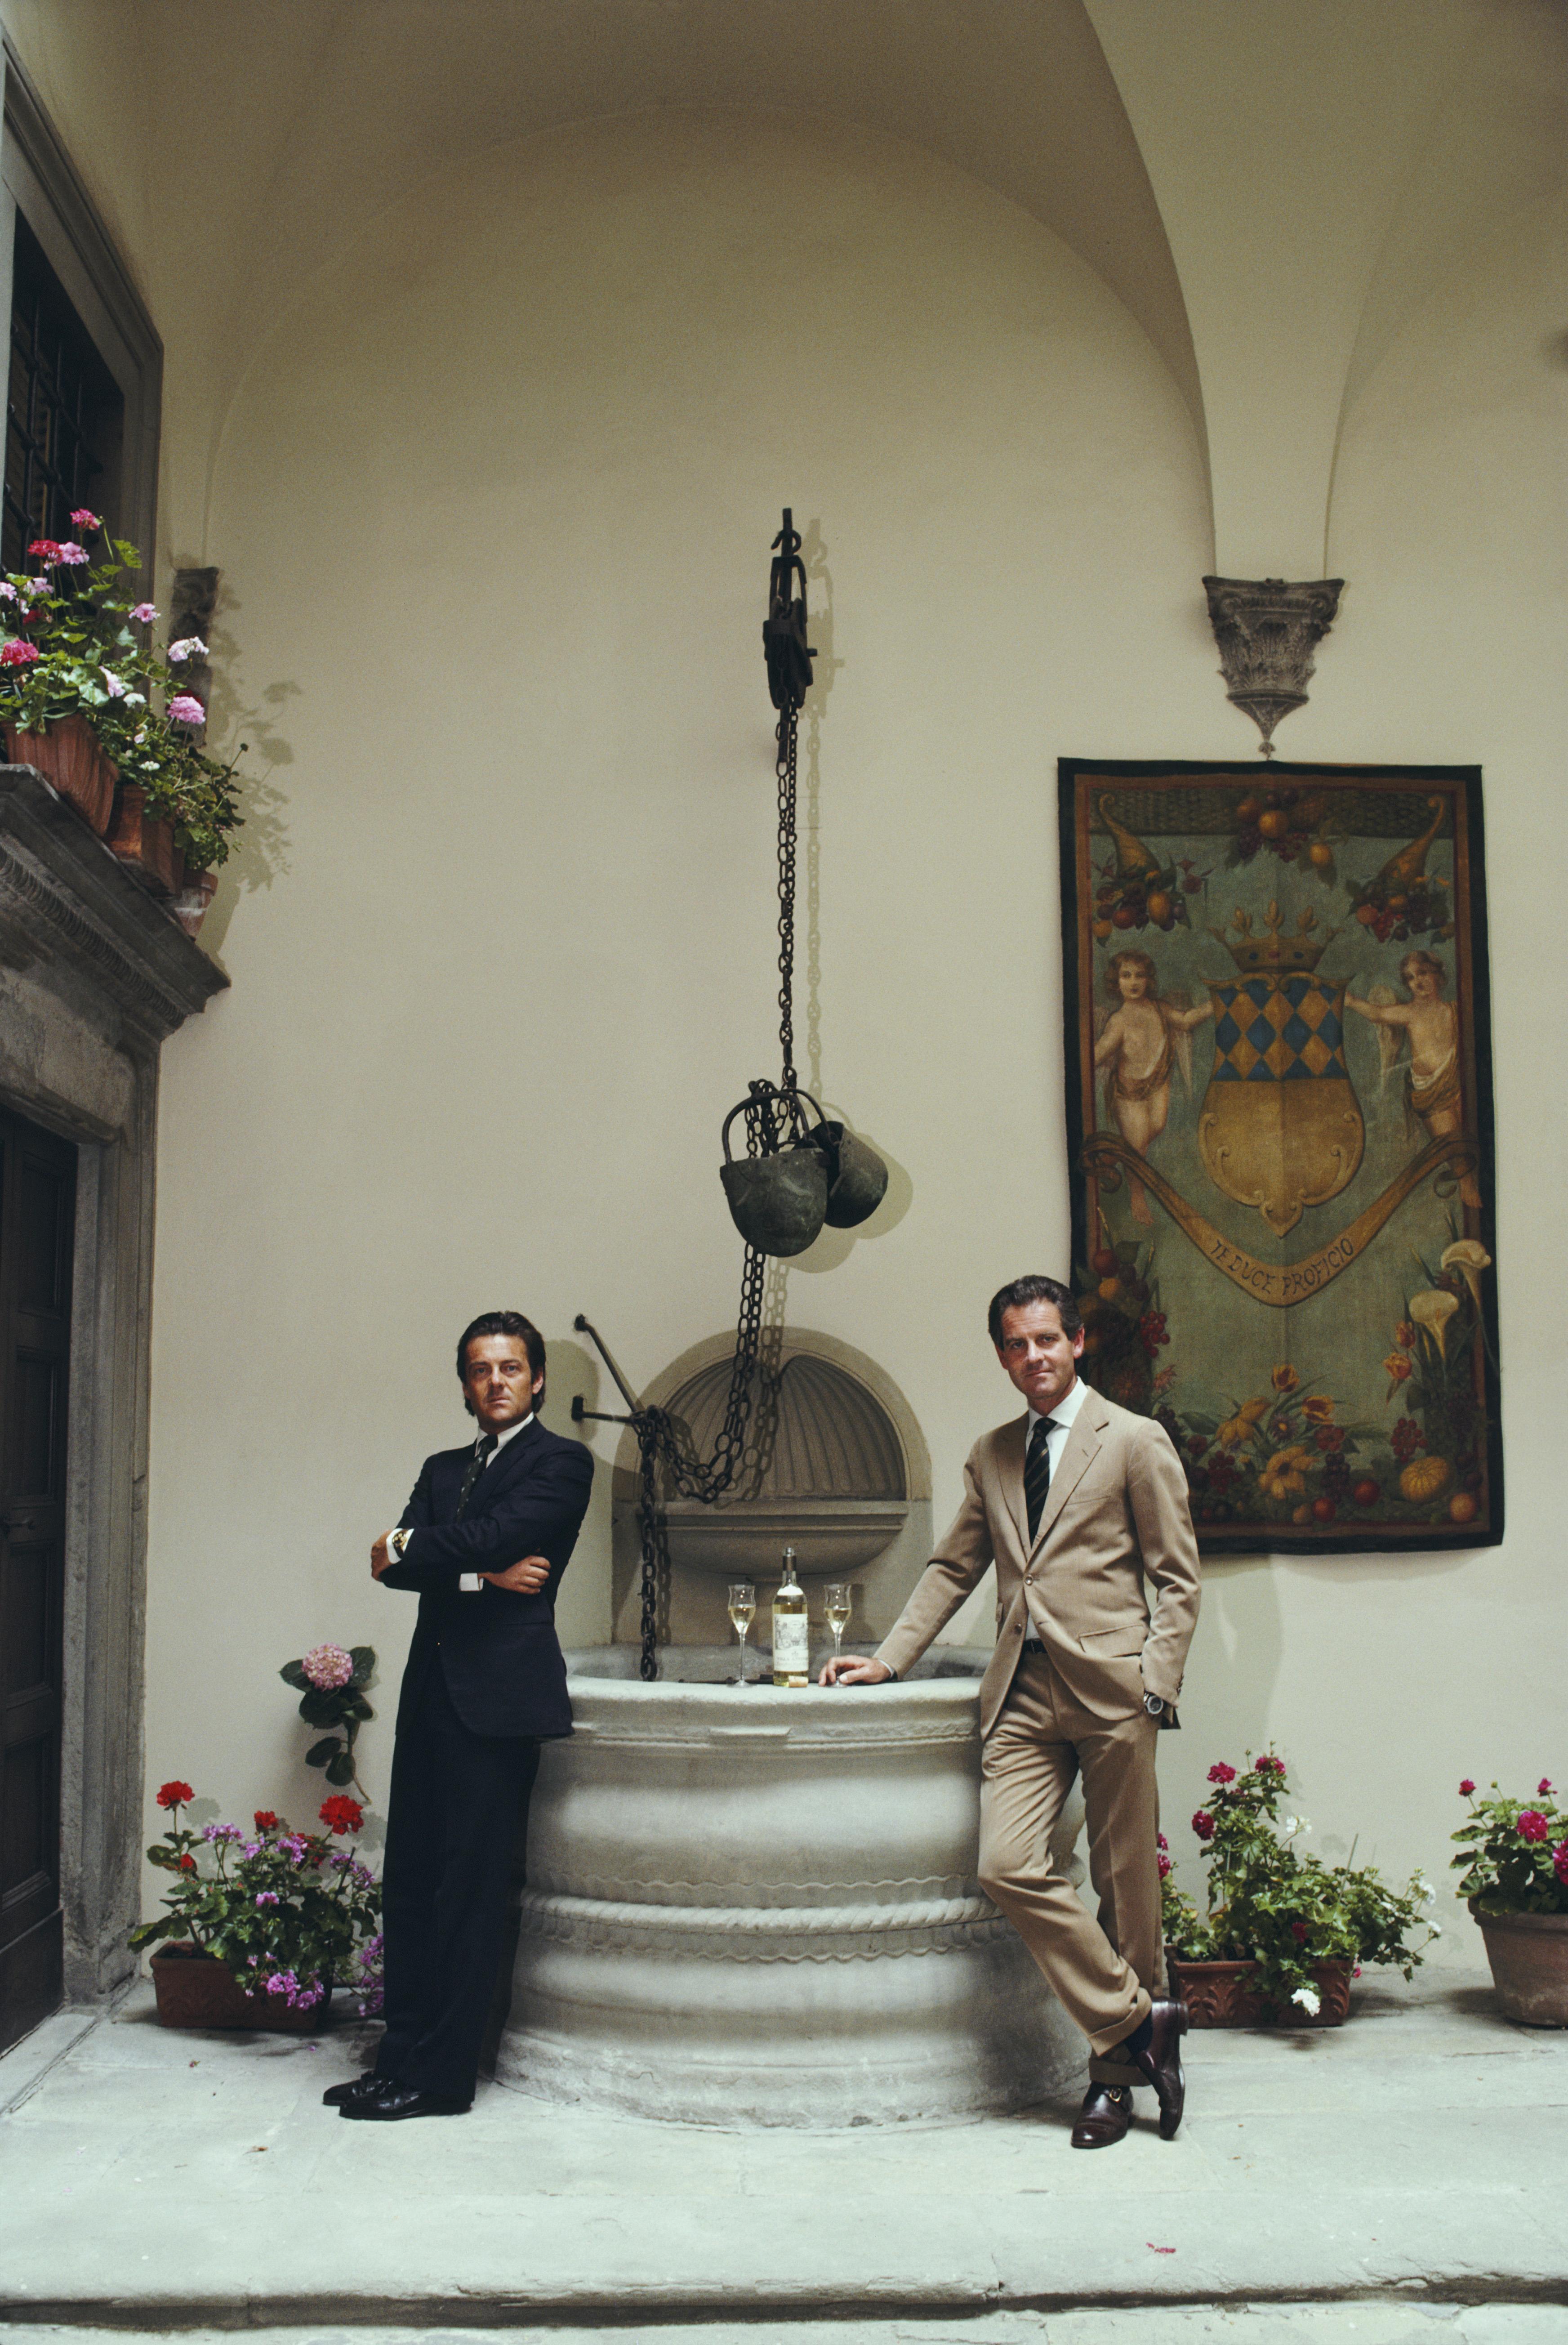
{"x":78,"y":646}
{"x":288,"y":1912}
{"x":1514,"y":1854}
{"x":1271,"y":1905}
{"x":331,"y":1680}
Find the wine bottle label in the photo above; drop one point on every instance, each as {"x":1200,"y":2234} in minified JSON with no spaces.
{"x":792,"y":1642}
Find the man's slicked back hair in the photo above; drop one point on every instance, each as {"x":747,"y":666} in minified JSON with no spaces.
{"x":504,"y":1323}
{"x":1033,"y":1290}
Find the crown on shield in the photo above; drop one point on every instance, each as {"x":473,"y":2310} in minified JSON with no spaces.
{"x":1274,"y":954}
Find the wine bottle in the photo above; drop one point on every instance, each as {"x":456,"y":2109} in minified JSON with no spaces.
{"x":791,"y":1630}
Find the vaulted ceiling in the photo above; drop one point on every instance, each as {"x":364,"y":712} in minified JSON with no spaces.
{"x":1268,"y":191}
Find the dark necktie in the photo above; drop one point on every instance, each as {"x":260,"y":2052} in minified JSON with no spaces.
{"x":1038,"y":1473}
{"x":477,"y":1464}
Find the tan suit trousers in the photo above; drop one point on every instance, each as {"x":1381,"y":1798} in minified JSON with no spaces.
{"x":1102,"y":1972}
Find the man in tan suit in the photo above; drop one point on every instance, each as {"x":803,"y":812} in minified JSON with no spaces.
{"x":1077,"y":1503}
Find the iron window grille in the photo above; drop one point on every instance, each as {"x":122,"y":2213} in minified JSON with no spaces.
{"x":63,"y":412}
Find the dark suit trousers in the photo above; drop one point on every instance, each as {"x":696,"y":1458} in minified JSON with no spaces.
{"x":459,"y":1804}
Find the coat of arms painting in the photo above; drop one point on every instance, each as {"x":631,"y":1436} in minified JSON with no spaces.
{"x":1281,"y":1131}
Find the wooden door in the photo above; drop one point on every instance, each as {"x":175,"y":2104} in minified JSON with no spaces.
{"x":37,"y":1218}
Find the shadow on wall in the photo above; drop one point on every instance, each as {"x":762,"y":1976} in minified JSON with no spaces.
{"x":260,"y":848}
{"x":835,"y":1246}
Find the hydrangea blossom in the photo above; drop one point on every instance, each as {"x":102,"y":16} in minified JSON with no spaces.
{"x":328,"y":1667}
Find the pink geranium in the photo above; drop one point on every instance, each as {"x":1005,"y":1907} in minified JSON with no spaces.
{"x":85,"y":520}
{"x":185,"y":709}
{"x":45,"y":549}
{"x":1560,"y":1862}
{"x":72,"y":554}
{"x":144,"y":613}
{"x":14,"y":653}
{"x":1203,"y":1825}
{"x":1221,"y":1773}
{"x":1544,"y":1786}
{"x":1533,"y":1825}
{"x":1466,"y":1787}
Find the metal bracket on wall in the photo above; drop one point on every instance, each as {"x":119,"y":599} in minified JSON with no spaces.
{"x":1266,"y":630}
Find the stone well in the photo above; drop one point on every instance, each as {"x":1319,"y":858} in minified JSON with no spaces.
{"x":754,"y":1906}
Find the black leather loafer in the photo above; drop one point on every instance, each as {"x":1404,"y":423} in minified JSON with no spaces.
{"x":358,"y":2088}
{"x":396,"y":2101}
{"x":1104,"y":2117}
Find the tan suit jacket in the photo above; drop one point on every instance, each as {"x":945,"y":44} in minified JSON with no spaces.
{"x":1116,"y":1517}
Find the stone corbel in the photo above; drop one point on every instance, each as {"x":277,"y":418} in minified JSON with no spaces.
{"x":1266,"y":630}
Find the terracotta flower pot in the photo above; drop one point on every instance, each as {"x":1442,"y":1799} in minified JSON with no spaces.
{"x":71,"y":758}
{"x":193,"y":1989}
{"x":144,"y":844}
{"x":190,"y":905}
{"x":1529,"y":1958}
{"x":1224,"y":1995}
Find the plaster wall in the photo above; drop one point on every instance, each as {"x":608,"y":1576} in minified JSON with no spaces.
{"x":491,"y":504}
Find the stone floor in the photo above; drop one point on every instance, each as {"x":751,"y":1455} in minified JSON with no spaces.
{"x":1408,"y":2169}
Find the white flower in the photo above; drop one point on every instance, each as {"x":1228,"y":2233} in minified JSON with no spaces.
{"x":1294,"y":1824}
{"x":187,"y":645}
{"x":1311,"y":2001}
{"x":1425,"y":1891}
{"x":112,"y":684}
{"x":1434,"y":1929}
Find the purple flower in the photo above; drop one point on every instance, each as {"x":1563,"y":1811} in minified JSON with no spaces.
{"x":328,"y":1667}
{"x":267,"y":1896}
{"x":185,"y":709}
{"x":72,"y":554}
{"x":221,"y":1831}
{"x":144,"y":613}
{"x":283,"y":1983}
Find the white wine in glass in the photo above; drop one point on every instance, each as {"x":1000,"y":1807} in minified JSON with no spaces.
{"x":838,"y":1607}
{"x":743,"y":1612}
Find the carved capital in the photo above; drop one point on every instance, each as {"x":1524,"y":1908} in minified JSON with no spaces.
{"x":1266,"y":630}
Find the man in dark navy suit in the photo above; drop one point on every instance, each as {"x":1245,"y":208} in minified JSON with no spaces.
{"x":482,"y":1542}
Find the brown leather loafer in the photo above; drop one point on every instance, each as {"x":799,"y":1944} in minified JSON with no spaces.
{"x":1104,"y":2117}
{"x":1161,"y":2064}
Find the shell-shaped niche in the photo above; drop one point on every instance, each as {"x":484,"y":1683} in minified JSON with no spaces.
{"x":825,"y":1474}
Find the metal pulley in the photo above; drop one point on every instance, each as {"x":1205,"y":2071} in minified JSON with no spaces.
{"x":789,"y":656}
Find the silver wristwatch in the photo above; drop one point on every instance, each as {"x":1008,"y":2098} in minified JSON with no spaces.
{"x":1155,"y":1705}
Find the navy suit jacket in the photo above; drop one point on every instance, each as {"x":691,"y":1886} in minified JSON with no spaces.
{"x":498,"y":1652}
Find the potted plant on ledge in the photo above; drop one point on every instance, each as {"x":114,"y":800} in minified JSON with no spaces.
{"x":1513,"y":1865}
{"x":89,"y":701}
{"x":1281,"y":1935}
{"x":260,"y":1924}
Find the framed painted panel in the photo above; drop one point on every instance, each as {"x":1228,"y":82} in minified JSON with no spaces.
{"x":1280,"y":1130}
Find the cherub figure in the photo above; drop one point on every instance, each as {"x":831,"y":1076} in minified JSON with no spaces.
{"x":1428,"y":1027}
{"x":1142,"y":1039}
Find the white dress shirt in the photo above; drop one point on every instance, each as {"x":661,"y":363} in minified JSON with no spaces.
{"x":1061,"y":1422}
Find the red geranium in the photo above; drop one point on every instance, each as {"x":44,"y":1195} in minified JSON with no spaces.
{"x":45,"y":548}
{"x":175,"y":1795}
{"x":1544,"y":1786}
{"x":1203,"y":1825}
{"x":1269,"y":1766}
{"x":1221,"y":1773}
{"x":341,"y":1814}
{"x":1533,"y":1825}
{"x":1298,"y":1932}
{"x":188,"y":1863}
{"x":265,"y":1820}
{"x":1559,"y":1860}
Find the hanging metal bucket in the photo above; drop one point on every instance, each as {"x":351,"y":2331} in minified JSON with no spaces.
{"x":779,"y":1201}
{"x":856,"y":1175}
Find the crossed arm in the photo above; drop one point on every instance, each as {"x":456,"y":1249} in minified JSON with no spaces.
{"x":503,"y":1544}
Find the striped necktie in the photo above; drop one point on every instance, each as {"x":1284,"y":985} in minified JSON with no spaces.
{"x":483,"y":1453}
{"x":1038,"y":1473}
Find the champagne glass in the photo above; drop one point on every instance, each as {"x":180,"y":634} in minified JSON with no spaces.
{"x":742,"y":1611}
{"x":838,"y":1612}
